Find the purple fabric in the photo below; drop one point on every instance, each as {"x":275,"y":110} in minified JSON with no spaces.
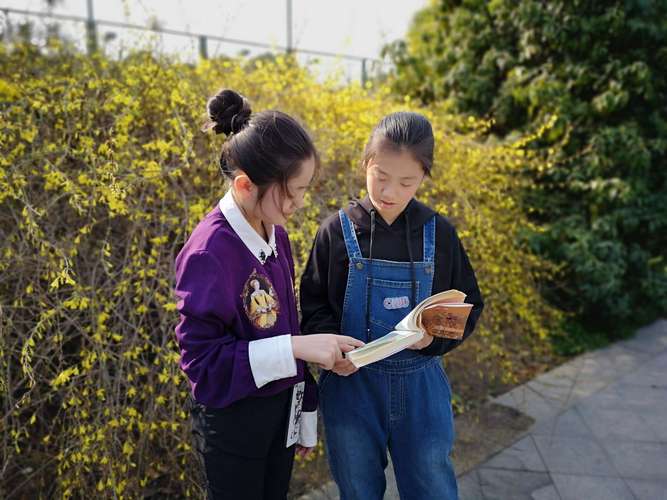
{"x":214,"y":330}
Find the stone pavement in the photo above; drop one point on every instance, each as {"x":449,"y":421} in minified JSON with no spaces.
{"x":600,"y":431}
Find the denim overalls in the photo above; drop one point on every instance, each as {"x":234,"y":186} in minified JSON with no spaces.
{"x":402,"y":403}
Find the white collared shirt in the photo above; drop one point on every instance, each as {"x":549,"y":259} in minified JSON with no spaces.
{"x":255,"y":243}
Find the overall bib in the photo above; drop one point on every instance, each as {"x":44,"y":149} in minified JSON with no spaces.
{"x":401,"y":403}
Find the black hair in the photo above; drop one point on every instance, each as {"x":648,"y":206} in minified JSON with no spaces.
{"x":269,"y":147}
{"x":403,"y":130}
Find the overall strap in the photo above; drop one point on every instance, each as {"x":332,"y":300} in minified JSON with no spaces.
{"x":351,"y":243}
{"x":429,"y":240}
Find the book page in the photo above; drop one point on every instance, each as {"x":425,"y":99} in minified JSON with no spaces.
{"x":379,"y":344}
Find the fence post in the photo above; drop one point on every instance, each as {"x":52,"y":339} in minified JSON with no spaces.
{"x":7,"y":33}
{"x":91,"y":30}
{"x":289,"y":27}
{"x":364,"y":75}
{"x":203,"y":47}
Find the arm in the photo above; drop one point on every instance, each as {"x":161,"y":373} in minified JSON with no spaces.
{"x":316,"y":313}
{"x":463,"y":279}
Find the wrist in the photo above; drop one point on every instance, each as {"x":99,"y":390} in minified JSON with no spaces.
{"x":297,"y":346}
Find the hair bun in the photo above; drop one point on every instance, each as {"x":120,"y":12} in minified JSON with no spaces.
{"x":228,"y":111}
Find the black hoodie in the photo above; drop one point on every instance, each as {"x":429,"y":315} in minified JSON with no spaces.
{"x":325,"y":278}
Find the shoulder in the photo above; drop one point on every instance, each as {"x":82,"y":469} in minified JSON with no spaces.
{"x":213,"y":236}
{"x":330,"y":227}
{"x":444,"y":227}
{"x":422,"y":213}
{"x":446,"y":238}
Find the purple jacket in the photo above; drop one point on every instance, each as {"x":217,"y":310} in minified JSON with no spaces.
{"x":226,"y":299}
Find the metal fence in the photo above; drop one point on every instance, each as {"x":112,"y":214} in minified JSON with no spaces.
{"x":91,"y":25}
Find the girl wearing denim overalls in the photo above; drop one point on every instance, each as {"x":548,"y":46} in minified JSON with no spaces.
{"x":371,"y":263}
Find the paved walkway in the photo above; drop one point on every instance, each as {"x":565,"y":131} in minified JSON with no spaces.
{"x":600,"y":431}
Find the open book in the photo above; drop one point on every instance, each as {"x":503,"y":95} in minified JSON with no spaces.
{"x":442,"y":315}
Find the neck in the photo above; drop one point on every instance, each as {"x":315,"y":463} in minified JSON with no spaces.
{"x":389,"y":219}
{"x":255,"y":222}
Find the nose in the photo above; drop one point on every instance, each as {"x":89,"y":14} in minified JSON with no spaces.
{"x":388,"y":192}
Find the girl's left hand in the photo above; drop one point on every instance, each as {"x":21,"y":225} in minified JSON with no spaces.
{"x":424,"y":342}
{"x":304,"y":452}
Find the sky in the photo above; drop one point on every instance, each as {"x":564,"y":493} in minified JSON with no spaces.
{"x":354,"y":27}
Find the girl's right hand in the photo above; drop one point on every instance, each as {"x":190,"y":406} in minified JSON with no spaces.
{"x":323,"y":349}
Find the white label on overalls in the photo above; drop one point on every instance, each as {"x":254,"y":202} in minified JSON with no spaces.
{"x":396,"y":302}
{"x":295,"y":414}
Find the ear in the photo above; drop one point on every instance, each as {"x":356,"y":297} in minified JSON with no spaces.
{"x":244,"y":186}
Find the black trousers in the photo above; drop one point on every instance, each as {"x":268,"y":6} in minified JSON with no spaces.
{"x":242,"y":448}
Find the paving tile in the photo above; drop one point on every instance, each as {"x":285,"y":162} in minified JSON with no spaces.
{"x":657,"y":421}
{"x":638,"y":460}
{"x":531,"y":403}
{"x":586,"y":387}
{"x":608,"y":398}
{"x":498,"y":484}
{"x":573,"y":487}
{"x":648,"y":490}
{"x":567,"y":424}
{"x":555,"y":390}
{"x":522,"y":455}
{"x":573,"y":456}
{"x":617,"y":424}
{"x":545,"y":493}
{"x":609,"y":363}
{"x":659,"y":361}
{"x":570,"y":370}
{"x":653,"y":377}
{"x":643,"y":398}
{"x":469,"y":487}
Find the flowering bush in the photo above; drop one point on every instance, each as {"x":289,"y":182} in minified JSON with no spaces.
{"x":103,"y":175}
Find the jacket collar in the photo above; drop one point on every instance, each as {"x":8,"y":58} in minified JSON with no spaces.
{"x":255,"y":243}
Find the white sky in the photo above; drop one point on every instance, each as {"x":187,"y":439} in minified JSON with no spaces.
{"x":356,"y":27}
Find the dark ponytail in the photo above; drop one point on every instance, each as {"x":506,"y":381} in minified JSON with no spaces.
{"x":403,"y":130}
{"x":269,"y":147}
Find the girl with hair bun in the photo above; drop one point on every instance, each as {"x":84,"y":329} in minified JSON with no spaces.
{"x":254,"y":401}
{"x":397,"y":252}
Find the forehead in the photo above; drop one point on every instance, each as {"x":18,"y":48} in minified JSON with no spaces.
{"x":305,"y":173}
{"x":396,"y":163}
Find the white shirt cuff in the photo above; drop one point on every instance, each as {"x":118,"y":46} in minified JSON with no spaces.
{"x":271,"y":359}
{"x":308,"y":430}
